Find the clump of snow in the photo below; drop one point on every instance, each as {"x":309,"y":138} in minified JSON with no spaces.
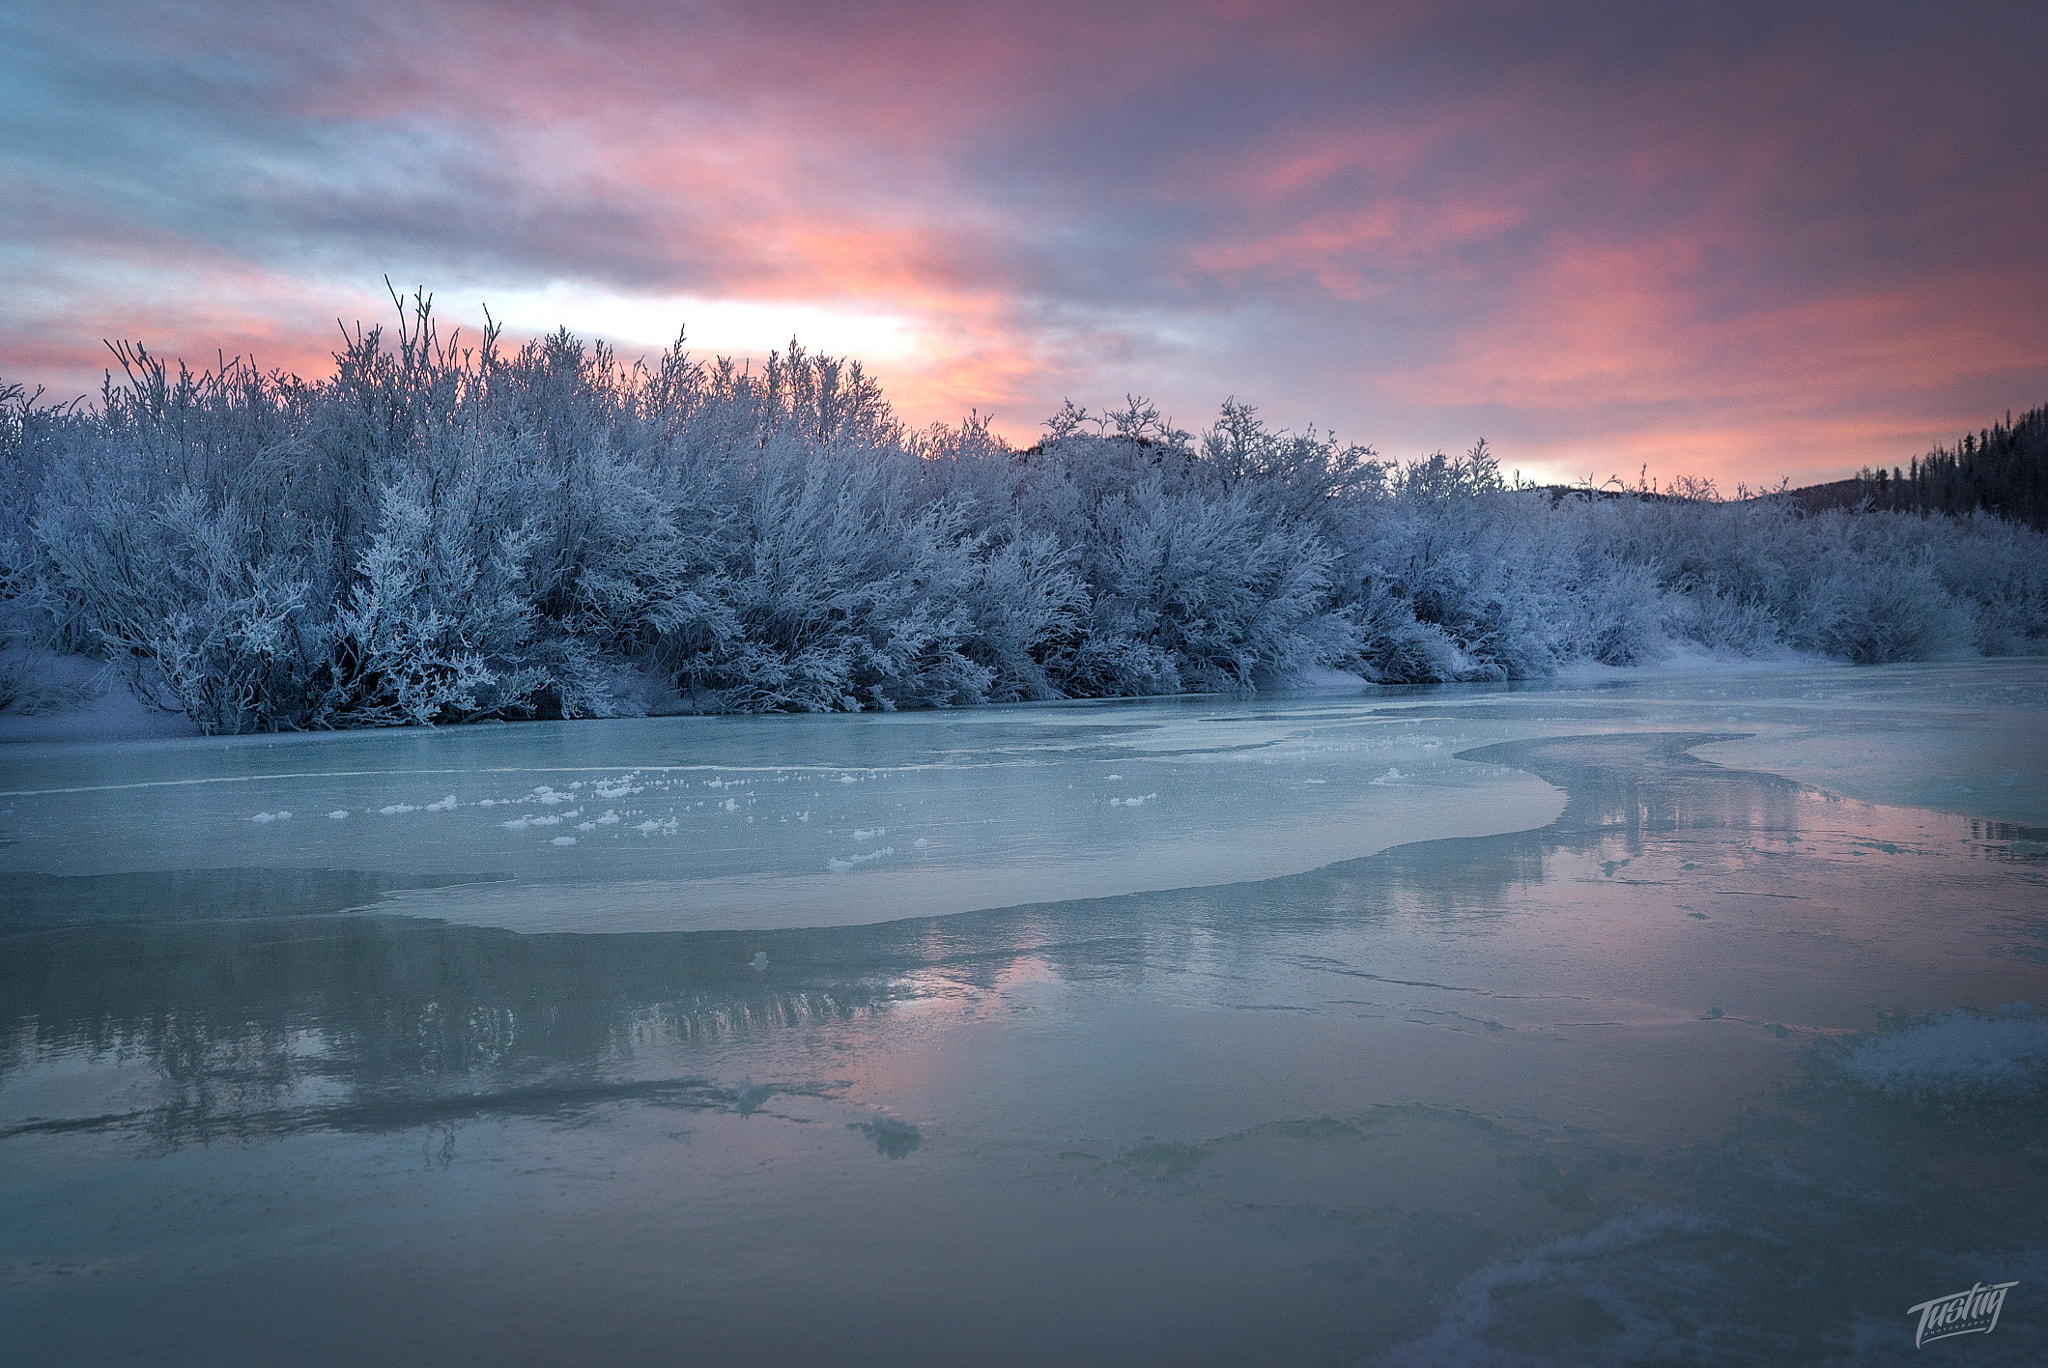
{"x":271,"y":817}
{"x":920,"y":843}
{"x":395,"y":808}
{"x":1392,"y":776}
{"x":521,"y":823}
{"x":866,"y":835}
{"x":1952,"y":1056}
{"x":650,"y":826}
{"x":1133,"y":802}
{"x":848,"y":779}
{"x":338,"y":813}
{"x":565,"y":840}
{"x":837,"y":865}
{"x":445,"y":805}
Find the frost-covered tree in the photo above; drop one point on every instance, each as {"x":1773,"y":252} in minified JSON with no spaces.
{"x":444,"y":530}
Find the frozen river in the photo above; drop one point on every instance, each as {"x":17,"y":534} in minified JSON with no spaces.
{"x":1477,"y":1024}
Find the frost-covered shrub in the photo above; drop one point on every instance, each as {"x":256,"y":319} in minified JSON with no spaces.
{"x":432,"y":631}
{"x":439,"y":532}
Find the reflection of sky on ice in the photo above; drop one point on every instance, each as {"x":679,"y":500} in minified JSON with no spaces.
{"x":1449,"y":1096}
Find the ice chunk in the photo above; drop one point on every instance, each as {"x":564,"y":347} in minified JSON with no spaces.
{"x":445,"y":805}
{"x":338,"y":813}
{"x":565,"y":840}
{"x":850,"y":862}
{"x":395,"y":808}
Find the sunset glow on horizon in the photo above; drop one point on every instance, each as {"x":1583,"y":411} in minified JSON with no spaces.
{"x":1752,"y":242}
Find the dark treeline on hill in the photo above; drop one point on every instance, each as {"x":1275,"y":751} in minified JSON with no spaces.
{"x":442,"y":534}
{"x":2001,"y":470}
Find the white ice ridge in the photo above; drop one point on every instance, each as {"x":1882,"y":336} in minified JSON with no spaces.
{"x":838,"y":865}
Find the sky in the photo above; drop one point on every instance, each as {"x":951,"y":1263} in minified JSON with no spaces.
{"x":1750,"y":242}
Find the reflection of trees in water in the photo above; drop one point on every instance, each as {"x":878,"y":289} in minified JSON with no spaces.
{"x":281,"y":1019}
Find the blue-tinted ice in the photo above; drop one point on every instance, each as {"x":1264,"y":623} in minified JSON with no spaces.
{"x":1184,"y":1031}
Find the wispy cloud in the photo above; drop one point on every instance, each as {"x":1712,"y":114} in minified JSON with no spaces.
{"x":1753,"y":240}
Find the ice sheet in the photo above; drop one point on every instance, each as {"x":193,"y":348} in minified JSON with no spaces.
{"x":1594,"y":1091}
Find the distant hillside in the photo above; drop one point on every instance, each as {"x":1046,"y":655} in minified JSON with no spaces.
{"x":2001,"y":470}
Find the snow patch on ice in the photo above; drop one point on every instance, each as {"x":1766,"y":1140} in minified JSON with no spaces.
{"x":445,"y":805}
{"x":565,"y":840}
{"x":521,"y":823}
{"x":1953,"y":1056}
{"x":837,"y":865}
{"x":271,"y":817}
